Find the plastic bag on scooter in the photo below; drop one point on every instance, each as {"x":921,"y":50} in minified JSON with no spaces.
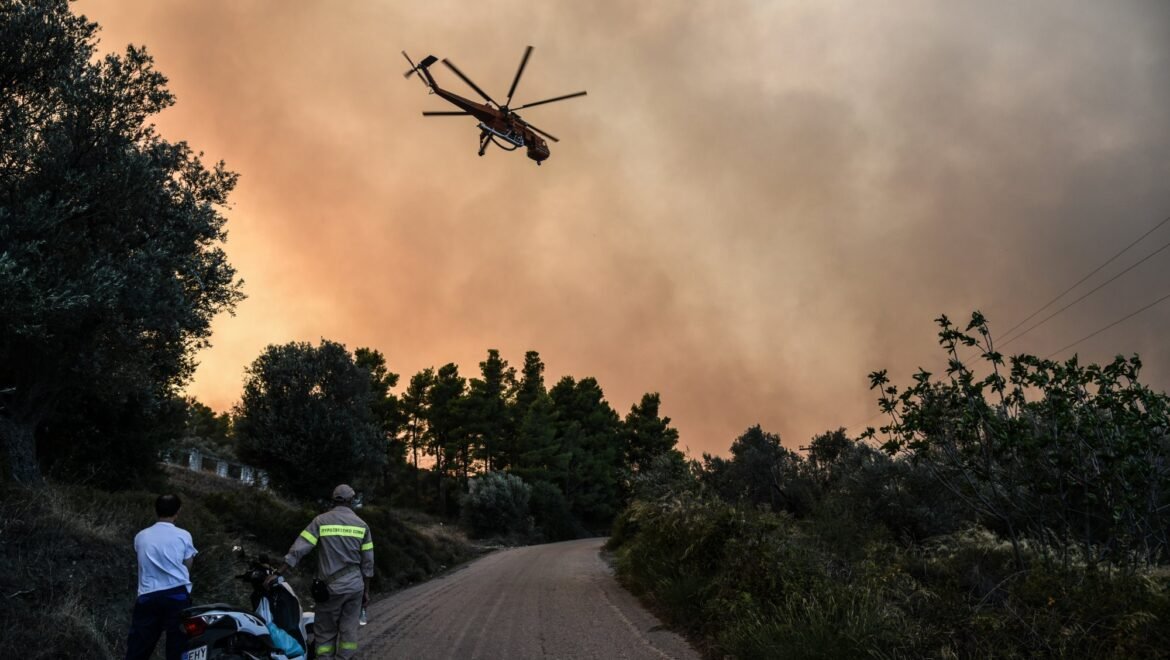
{"x":284,"y":641}
{"x":280,"y":638}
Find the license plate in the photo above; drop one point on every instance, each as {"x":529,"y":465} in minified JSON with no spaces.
{"x":196,"y":654}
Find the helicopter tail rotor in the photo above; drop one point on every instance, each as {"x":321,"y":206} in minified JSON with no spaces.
{"x":421,"y":66}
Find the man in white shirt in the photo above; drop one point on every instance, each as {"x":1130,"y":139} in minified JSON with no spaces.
{"x":165,"y":553}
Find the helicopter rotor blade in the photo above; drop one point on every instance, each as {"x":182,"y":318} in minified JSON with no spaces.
{"x":468,"y":81}
{"x":413,"y":68}
{"x":519,"y":72}
{"x":558,"y":98}
{"x":547,"y":135}
{"x":444,"y":113}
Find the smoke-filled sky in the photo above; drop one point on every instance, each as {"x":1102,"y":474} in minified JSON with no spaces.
{"x":757,"y":204}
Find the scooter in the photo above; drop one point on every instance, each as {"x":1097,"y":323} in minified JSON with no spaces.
{"x":275,"y":629}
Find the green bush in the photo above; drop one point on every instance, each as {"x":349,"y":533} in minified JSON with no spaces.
{"x":753,"y":584}
{"x":992,"y":609}
{"x":496,"y":504}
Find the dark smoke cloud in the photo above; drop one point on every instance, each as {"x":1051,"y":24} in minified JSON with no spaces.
{"x":757,"y":203}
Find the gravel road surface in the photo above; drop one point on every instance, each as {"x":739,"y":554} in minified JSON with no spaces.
{"x":558,"y":600}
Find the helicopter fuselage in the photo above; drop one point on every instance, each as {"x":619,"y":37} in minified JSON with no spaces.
{"x":494,"y":123}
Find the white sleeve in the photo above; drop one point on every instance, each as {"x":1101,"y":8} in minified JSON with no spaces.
{"x":190,"y":550}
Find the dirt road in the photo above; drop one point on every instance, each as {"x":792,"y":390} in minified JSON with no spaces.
{"x":548,"y":601}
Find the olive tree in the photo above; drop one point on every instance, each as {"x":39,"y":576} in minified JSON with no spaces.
{"x":111,"y":265}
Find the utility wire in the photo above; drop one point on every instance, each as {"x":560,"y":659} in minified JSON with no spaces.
{"x":1061,"y":350}
{"x":1094,"y":334}
{"x":1082,"y":280}
{"x":1066,"y":292}
{"x":1094,"y":290}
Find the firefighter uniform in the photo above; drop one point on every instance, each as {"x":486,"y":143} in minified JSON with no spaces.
{"x":345,"y":559}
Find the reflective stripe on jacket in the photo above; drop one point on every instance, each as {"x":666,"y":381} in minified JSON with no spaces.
{"x":343,"y":545}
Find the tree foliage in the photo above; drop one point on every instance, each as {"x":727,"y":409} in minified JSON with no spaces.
{"x":111,"y":265}
{"x":588,"y":436}
{"x":496,"y":503}
{"x":1075,"y":458}
{"x":761,"y":470}
{"x":487,"y":410}
{"x":308,"y":415}
{"x":311,"y":412}
{"x":647,"y":435}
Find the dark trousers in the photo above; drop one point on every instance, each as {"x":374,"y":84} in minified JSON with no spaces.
{"x":155,"y":613}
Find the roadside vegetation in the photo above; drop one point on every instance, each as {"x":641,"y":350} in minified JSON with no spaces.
{"x":1019,"y":512}
{"x":1016,"y":514}
{"x":68,"y":572}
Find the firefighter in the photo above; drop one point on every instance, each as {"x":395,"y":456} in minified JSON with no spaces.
{"x":345,"y":564}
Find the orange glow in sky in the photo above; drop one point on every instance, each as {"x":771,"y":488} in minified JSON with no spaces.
{"x":757,"y":204}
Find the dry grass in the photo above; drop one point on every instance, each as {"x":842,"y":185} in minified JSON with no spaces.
{"x":68,"y":570}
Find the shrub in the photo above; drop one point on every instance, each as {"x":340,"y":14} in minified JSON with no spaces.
{"x":1074,"y":457}
{"x":496,"y":503}
{"x":753,"y":584}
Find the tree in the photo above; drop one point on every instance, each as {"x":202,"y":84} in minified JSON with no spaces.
{"x":382,"y":380}
{"x":487,"y":410}
{"x":531,"y":384}
{"x":110,"y":440}
{"x":307,"y":415}
{"x":111,"y":265}
{"x":761,"y":470}
{"x":414,"y":412}
{"x":646,"y":435}
{"x":1074,"y":458}
{"x":203,"y":422}
{"x":543,"y":457}
{"x":826,"y":455}
{"x":588,"y":431}
{"x":525,"y":391}
{"x":387,"y":415}
{"x":208,"y":429}
{"x":446,"y":422}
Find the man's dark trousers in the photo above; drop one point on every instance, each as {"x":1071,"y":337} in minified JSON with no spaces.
{"x":155,"y":613}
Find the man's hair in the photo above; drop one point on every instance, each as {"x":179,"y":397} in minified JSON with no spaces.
{"x":167,"y":505}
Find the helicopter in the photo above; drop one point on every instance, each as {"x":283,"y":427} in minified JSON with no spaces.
{"x":498,"y":123}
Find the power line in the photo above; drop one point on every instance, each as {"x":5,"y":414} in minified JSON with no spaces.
{"x":1066,"y":292}
{"x":1094,"y":334}
{"x":1092,"y":273}
{"x":1095,"y":290}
